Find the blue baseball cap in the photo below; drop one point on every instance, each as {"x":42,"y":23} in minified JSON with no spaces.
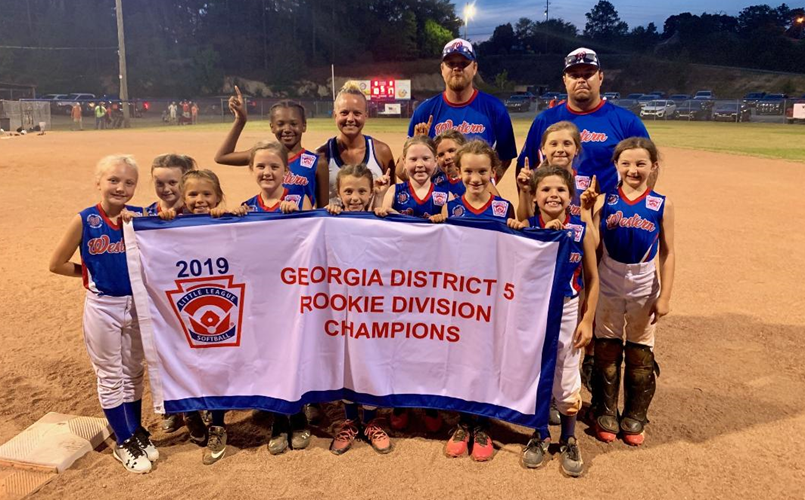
{"x":459,"y":46}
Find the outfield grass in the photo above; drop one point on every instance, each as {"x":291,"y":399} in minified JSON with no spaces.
{"x":766,"y":140}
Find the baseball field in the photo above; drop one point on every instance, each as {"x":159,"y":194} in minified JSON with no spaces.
{"x":727,"y":421}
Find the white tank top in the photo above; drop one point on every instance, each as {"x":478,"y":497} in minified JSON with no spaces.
{"x":335,"y":163}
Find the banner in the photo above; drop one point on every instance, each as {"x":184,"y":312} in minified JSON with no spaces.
{"x":274,"y":311}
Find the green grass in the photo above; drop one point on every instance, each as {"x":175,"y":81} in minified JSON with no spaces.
{"x":765,"y":140}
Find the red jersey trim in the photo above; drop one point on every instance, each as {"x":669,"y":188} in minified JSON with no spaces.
{"x":480,"y":210}
{"x":106,"y":217}
{"x":636,"y":200}
{"x":600,"y":105}
{"x":296,"y":156}
{"x":457,"y":105}
{"x":542,"y":222}
{"x":273,"y":207}
{"x":416,"y":198}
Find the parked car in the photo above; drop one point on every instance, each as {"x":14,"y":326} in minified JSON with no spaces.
{"x":631,"y":104}
{"x":544,"y":99}
{"x":518,"y":103}
{"x":659,"y":108}
{"x":751,"y":99}
{"x":634,"y":96}
{"x":612,"y":96}
{"x":704,"y":95}
{"x":679,"y":98}
{"x":731,"y":112}
{"x":645,"y":99}
{"x":531,"y":97}
{"x":660,"y":94}
{"x":66,"y":106}
{"x":771,"y":104}
{"x":693,"y":110}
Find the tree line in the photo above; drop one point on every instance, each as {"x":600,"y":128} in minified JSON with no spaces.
{"x":185,"y":47}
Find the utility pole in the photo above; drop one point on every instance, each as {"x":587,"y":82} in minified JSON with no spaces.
{"x":121,"y":52}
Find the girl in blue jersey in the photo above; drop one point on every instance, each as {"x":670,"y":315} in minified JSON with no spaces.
{"x":111,"y":329}
{"x":447,"y":144}
{"x":636,"y":224}
{"x":418,"y":196}
{"x":351,"y":146}
{"x":167,"y":171}
{"x":306,"y":174}
{"x":552,"y":188}
{"x":477,"y":162}
{"x":355,"y":184}
{"x":268,"y":162}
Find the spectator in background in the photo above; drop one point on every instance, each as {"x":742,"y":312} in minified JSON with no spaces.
{"x":194,"y":113}
{"x":75,"y":114}
{"x":172,"y":113}
{"x":100,"y":114}
{"x":185,"y":113}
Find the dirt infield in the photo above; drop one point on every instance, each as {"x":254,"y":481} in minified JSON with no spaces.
{"x":727,"y":421}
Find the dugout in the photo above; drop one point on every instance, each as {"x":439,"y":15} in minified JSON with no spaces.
{"x":25,"y":114}
{"x":13,"y":91}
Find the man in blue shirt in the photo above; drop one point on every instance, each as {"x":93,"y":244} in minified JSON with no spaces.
{"x":461,"y":106}
{"x":602,"y":125}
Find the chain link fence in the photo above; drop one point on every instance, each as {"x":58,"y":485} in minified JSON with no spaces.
{"x":25,"y":115}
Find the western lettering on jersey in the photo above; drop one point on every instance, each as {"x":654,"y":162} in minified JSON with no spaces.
{"x":635,"y":221}
{"x":575,"y":257}
{"x":291,"y":179}
{"x":587,"y":136}
{"x":464,"y":127}
{"x":101,"y":245}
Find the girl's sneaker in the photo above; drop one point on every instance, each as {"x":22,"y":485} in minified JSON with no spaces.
{"x":344,"y":438}
{"x":143,"y":439}
{"x":482,"y":448}
{"x":132,"y":457}
{"x":535,"y":454}
{"x":172,"y":422}
{"x":457,"y":444}
{"x":216,"y":445}
{"x":377,"y":437}
{"x":572,"y":464}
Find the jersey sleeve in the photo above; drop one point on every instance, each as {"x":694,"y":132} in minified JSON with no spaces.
{"x":637,"y":128}
{"x":504,"y":135}
{"x":531,"y":146}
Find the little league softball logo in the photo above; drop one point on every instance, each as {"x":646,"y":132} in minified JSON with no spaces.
{"x":209,"y":310}
{"x":94,"y":221}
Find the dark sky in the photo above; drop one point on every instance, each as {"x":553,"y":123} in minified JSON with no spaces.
{"x":491,"y":13}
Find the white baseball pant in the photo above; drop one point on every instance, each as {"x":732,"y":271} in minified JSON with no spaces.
{"x":566,"y":375}
{"x":627,"y":293}
{"x":112,"y":337}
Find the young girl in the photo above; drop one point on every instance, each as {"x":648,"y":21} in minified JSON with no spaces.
{"x":350,"y":146}
{"x":636,"y":224}
{"x":167,"y":171}
{"x":417,"y":196}
{"x":477,"y":162}
{"x":111,"y":329}
{"x":307,"y":176}
{"x":552,"y":187}
{"x":268,"y":162}
{"x":447,"y":144}
{"x":355,"y":189}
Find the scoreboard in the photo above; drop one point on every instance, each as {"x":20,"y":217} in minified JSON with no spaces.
{"x":383,"y":90}
{"x":386,"y":89}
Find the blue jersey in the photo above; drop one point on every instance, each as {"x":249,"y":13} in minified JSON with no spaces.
{"x":103,"y":253}
{"x":482,"y":117}
{"x":301,"y":176}
{"x":601,"y":130}
{"x":496,"y":209}
{"x":455,"y":187}
{"x":582,"y":182}
{"x":576,"y":230}
{"x":630,"y":230}
{"x":406,"y":201}
{"x":256,"y":203}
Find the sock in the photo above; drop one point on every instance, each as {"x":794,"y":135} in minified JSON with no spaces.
{"x":369,"y":415}
{"x":117,"y":419}
{"x":134,"y":414}
{"x":298,"y":421}
{"x":568,"y":426}
{"x":218,"y":417}
{"x":351,"y":411}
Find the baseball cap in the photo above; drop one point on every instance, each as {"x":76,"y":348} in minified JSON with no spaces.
{"x":581,"y":56}
{"x":459,"y":46}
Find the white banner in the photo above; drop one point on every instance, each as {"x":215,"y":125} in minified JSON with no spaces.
{"x":274,"y":311}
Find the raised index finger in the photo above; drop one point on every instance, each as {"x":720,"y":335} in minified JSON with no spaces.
{"x":430,"y":122}
{"x":237,"y":91}
{"x":594,"y":185}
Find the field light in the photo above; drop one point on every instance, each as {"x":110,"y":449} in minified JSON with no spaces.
{"x":469,"y":13}
{"x":800,"y":20}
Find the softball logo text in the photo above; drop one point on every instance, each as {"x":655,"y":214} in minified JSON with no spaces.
{"x":209,"y":309}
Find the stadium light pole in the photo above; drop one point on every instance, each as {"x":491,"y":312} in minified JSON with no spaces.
{"x":469,"y":13}
{"x":121,"y":52}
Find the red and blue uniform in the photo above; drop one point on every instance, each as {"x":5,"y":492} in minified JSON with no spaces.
{"x":406,"y":201}
{"x":482,"y":117}
{"x":630,"y":230}
{"x":301,"y":176}
{"x":153,"y":209}
{"x":496,"y":209}
{"x":576,"y":230}
{"x":601,"y":130}
{"x":103,"y":253}
{"x":256,"y":203}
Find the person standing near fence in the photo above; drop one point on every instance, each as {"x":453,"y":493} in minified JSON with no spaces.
{"x":194,"y":112}
{"x":75,"y":114}
{"x":100,"y":116}
{"x":172,"y":108}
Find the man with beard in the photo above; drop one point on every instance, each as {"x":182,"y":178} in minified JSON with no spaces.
{"x":462,"y":107}
{"x":602,"y":125}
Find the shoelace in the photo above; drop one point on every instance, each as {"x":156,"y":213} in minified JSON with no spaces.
{"x":373,"y":431}
{"x":347,"y":432}
{"x":459,"y":435}
{"x":481,"y":437}
{"x":572,"y":451}
{"x":142,"y":437}
{"x":133,"y":448}
{"x":214,"y":440}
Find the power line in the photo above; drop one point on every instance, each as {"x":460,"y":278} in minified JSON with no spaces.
{"x":21,"y":47}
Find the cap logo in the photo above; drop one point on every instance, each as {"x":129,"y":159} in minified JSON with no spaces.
{"x":580,"y":57}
